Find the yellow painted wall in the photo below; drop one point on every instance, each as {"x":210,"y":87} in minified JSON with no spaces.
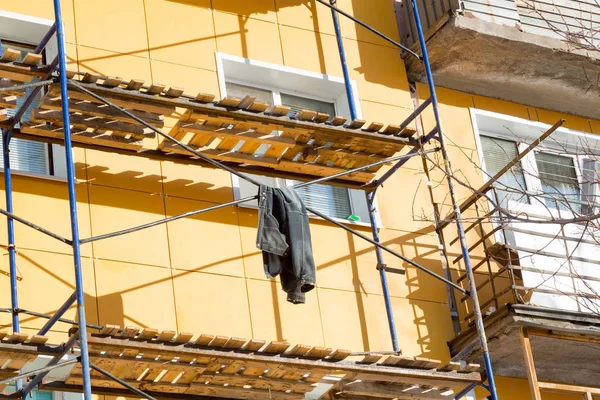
{"x":204,"y":274}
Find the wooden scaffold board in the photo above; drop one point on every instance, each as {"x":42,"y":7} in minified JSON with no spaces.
{"x":241,"y":132}
{"x":181,"y":365}
{"x":174,"y":365}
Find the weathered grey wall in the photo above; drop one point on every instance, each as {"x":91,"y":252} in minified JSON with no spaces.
{"x":575,"y":21}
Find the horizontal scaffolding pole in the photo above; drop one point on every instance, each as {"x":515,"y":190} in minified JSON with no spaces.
{"x":165,"y":220}
{"x":27,"y":85}
{"x":166,"y":136}
{"x":121,"y":382}
{"x":51,"y":364}
{"x":244,"y":200}
{"x":243,"y":176}
{"x":382,"y":247}
{"x":36,"y":227}
{"x":47,"y":368}
{"x":358,"y":169}
{"x":367,"y":27}
{"x":414,"y":151}
{"x":41,"y":315}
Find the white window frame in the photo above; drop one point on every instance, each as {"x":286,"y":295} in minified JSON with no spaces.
{"x":30,"y":30}
{"x":515,"y":129}
{"x":294,"y":78}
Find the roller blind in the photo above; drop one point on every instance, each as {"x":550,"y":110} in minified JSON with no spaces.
{"x":262,"y":95}
{"x":559,"y":180}
{"x":26,"y":155}
{"x":330,"y":200}
{"x":297,"y":103}
{"x":241,"y":91}
{"x":497,"y":153}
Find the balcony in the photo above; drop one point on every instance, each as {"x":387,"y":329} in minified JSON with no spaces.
{"x":542,"y":53}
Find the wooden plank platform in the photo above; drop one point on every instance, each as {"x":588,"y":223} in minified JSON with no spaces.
{"x":182,"y":365}
{"x":241,"y":132}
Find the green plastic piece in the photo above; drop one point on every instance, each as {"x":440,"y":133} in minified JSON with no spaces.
{"x":354,"y":218}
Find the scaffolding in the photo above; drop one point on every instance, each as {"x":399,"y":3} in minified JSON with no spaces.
{"x":109,"y":94}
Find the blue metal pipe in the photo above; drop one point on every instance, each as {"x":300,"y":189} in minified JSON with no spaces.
{"x":400,"y":163}
{"x":29,"y":100}
{"x":42,"y":45}
{"x":37,"y":379}
{"x":340,"y":43}
{"x":382,"y":275}
{"x":414,"y":114}
{"x":465,"y":391}
{"x":62,"y":62}
{"x":12,"y":257}
{"x":59,"y":313}
{"x":10,"y":225}
{"x":461,"y":232}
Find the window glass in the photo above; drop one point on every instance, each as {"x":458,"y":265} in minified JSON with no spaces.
{"x":558,"y":177}
{"x":497,"y":154}
{"x":241,"y":91}
{"x":26,"y":155}
{"x":297,"y":103}
{"x":332,"y":201}
{"x":589,"y":186}
{"x":35,"y":394}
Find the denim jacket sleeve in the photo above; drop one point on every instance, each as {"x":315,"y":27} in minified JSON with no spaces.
{"x":270,"y":236}
{"x":284,"y":236}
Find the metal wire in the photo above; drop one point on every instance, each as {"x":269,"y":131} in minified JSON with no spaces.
{"x":122,"y":382}
{"x":166,"y":136}
{"x":38,"y":371}
{"x":382,"y":247}
{"x":27,"y":85}
{"x":36,"y":227}
{"x":41,"y":315}
{"x":367,"y":27}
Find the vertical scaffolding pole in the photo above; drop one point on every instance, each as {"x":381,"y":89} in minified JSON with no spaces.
{"x":338,"y":35}
{"x":370,"y":198}
{"x":12,"y":255}
{"x":62,"y":62}
{"x":382,"y":273}
{"x":456,"y":207}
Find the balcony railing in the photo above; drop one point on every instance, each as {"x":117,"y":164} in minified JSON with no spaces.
{"x":431,"y":12}
{"x":532,"y":259}
{"x":573,"y":21}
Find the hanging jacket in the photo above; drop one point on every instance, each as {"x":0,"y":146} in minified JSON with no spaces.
{"x":284,"y":237}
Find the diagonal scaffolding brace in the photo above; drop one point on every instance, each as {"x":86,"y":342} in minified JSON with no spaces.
{"x":60,"y":62}
{"x":244,"y":176}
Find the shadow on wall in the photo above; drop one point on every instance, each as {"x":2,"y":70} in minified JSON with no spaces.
{"x":424,"y":333}
{"x":114,"y":307}
{"x":367,"y":62}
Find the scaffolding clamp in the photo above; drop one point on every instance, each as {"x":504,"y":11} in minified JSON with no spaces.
{"x":385,"y":268}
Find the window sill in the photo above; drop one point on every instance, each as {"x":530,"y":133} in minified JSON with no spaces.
{"x":317,"y":218}
{"x":36,"y":176}
{"x":537,"y":211}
